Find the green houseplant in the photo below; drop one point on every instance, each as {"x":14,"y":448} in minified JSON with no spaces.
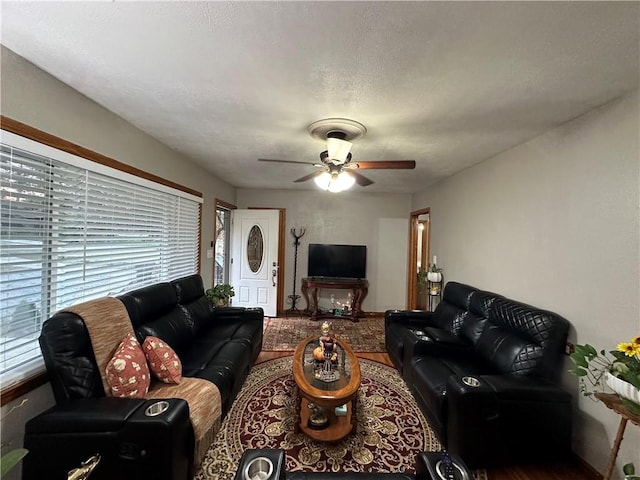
{"x":220,"y":294}
{"x":619,"y":369}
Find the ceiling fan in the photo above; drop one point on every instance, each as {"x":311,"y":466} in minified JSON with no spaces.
{"x":337,"y":171}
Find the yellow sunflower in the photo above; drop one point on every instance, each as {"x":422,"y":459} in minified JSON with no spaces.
{"x":630,"y":349}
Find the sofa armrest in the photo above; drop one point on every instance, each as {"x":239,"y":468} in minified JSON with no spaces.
{"x":435,"y":342}
{"x":417,"y":318}
{"x":131,"y":444}
{"x":237,"y":313}
{"x":484,"y":418}
{"x":104,"y":414}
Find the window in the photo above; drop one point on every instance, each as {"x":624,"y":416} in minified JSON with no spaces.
{"x":222,"y":245}
{"x":72,"y":230}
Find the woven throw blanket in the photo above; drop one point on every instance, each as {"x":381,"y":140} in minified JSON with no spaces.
{"x":107,"y":321}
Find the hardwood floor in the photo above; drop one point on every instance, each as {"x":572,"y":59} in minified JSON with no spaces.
{"x":571,"y":469}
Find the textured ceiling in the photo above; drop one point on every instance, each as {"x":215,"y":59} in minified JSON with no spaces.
{"x":447,"y":84}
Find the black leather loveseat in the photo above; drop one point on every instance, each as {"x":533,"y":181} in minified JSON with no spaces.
{"x":217,"y":345}
{"x":484,"y":370}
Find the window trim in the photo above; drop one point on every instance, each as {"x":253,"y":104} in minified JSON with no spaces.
{"x":15,"y":127}
{"x":39,"y":136}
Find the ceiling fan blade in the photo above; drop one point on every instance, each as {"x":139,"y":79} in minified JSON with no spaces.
{"x":307,"y":177}
{"x":388,"y":165}
{"x":285,"y":161}
{"x":361,"y":179}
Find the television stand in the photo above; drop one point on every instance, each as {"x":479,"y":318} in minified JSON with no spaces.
{"x":358,"y":286}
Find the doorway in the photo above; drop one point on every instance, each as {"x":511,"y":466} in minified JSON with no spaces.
{"x":257,"y":258}
{"x":419,"y":250}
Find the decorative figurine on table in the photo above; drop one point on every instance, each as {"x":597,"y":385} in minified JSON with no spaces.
{"x":318,"y":418}
{"x":326,"y":355}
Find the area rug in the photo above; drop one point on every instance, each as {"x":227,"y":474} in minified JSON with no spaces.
{"x":283,"y":334}
{"x":391,"y":430}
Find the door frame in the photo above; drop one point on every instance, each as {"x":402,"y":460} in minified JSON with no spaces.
{"x":282,"y":220}
{"x":228,"y":206}
{"x":412,"y":268}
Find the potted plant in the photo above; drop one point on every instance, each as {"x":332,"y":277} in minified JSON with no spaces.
{"x":220,"y":294}
{"x":618,"y":369}
{"x":434,"y":274}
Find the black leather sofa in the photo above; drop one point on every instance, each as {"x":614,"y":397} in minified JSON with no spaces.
{"x":484,"y":370}
{"x":216,"y":344}
{"x":428,"y":466}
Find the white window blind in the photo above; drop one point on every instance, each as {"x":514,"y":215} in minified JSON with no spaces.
{"x":70,"y":234}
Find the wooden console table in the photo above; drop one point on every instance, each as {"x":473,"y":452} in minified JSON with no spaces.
{"x":613,"y":402}
{"x":359,"y":288}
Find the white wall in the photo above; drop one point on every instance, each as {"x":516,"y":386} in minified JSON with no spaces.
{"x":344,"y":218}
{"x":555,"y":222}
{"x":392,"y":262}
{"x":33,"y":97}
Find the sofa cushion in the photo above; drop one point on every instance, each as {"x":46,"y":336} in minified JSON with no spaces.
{"x":481,"y":301}
{"x":450,"y":317}
{"x":149,"y":303}
{"x":188,"y":288}
{"x":458,"y":294}
{"x":508,"y":352}
{"x":472,"y":327}
{"x":163,"y":361}
{"x":127,"y":371}
{"x":199,"y":314}
{"x":449,"y":313}
{"x":538,"y":337}
{"x":173,"y":328}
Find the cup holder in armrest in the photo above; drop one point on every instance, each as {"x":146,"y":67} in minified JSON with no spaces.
{"x":156,"y":408}
{"x":421,"y":335}
{"x":260,"y":468}
{"x":471,"y":381}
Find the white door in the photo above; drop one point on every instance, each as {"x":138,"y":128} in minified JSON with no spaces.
{"x":254,"y":259}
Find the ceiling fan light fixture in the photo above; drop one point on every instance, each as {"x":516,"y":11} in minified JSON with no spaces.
{"x":323,"y":180}
{"x":335,"y":182}
{"x":338,"y":149}
{"x":344,"y":182}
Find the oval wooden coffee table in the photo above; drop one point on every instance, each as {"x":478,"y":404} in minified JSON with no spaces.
{"x":327,"y":393}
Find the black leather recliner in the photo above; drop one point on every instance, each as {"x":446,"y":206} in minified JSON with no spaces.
{"x":219,"y":345}
{"x":484,"y":370}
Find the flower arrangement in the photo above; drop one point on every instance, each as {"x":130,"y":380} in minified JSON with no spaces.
{"x":593,"y":368}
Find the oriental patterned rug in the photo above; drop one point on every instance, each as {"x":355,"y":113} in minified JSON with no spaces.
{"x":390,"y":431}
{"x":283,"y":334}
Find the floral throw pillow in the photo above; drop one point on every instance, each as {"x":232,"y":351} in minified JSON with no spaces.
{"x":163,"y":361}
{"x":127,"y":371}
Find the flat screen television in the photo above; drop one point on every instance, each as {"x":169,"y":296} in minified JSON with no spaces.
{"x":338,"y":261}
